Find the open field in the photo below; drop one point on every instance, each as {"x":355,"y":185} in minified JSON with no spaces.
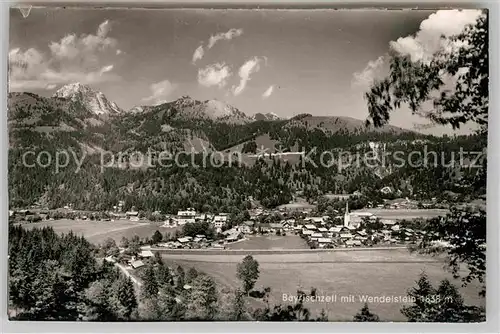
{"x":405,"y":213}
{"x":271,"y":242}
{"x":98,"y":231}
{"x":298,"y":204}
{"x":372,"y":273}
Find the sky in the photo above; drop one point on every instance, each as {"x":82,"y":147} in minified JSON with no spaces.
{"x":282,"y":61}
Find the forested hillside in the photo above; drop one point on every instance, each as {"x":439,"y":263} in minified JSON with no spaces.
{"x":97,"y":151}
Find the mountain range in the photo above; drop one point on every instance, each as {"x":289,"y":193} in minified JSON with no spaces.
{"x":80,"y":119}
{"x":86,"y":118}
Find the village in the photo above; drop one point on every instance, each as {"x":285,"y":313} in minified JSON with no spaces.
{"x":361,"y":228}
{"x":351,"y":230}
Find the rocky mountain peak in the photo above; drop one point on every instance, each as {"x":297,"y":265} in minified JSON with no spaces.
{"x":93,"y":100}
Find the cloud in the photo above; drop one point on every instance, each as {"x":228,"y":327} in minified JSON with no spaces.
{"x":214,"y":75}
{"x":230,"y":34}
{"x":72,"y":58}
{"x":424,"y":44}
{"x":106,"y":69}
{"x":160,"y":91}
{"x":249,"y":67}
{"x":372,"y":70}
{"x":198,"y":53}
{"x":104,"y":29}
{"x":428,"y":40}
{"x":268,"y":92}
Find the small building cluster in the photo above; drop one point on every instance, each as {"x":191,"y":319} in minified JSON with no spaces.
{"x":200,"y":241}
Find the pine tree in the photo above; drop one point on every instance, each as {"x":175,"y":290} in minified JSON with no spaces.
{"x":163,"y":275}
{"x":150,"y":284}
{"x":364,"y":315}
{"x":424,"y":308}
{"x":442,"y":305}
{"x":450,"y":304}
{"x":125,"y":295}
{"x":202,"y":303}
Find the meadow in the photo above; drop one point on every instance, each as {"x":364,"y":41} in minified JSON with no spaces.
{"x":388,"y":273}
{"x":98,"y":231}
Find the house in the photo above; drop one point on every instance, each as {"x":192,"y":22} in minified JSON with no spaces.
{"x":145,"y":253}
{"x":323,"y":229}
{"x":349,"y":243}
{"x":187,"y":287}
{"x":315,"y":220}
{"x":357,"y":242}
{"x":310,"y":227}
{"x":336,"y":229}
{"x":388,"y":222}
{"x":346,"y":236}
{"x":189,"y":213}
{"x":323,"y":242}
{"x":316,"y":236}
{"x":110,"y":259}
{"x":176,"y":244}
{"x":362,"y":233}
{"x":286,"y":225}
{"x":246,"y":227}
{"x":184,"y":240}
{"x":136,"y":264}
{"x":183,"y":221}
{"x":132,"y":214}
{"x":234,"y":236}
{"x":386,"y":232}
{"x":249,"y":223}
{"x":219,"y":221}
{"x":307,"y":232}
{"x":395,"y":227}
{"x":200,"y":217}
{"x":276,"y":226}
{"x":298,"y":228}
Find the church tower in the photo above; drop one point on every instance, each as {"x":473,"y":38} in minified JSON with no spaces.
{"x":347,"y":216}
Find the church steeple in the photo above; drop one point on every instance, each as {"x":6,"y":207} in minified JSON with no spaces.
{"x":347,"y":216}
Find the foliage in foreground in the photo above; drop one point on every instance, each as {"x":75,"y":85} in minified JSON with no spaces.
{"x":54,"y":277}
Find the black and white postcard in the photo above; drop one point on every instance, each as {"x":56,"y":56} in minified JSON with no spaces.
{"x":247,"y":164}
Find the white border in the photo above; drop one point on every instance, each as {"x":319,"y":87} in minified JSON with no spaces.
{"x":493,"y":198}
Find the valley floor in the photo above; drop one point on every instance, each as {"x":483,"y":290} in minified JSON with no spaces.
{"x":98,"y":231}
{"x":374,"y":273}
